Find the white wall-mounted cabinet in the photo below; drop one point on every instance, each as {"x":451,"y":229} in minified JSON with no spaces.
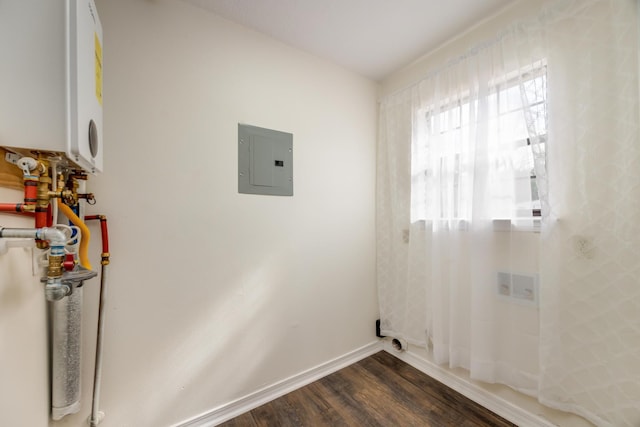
{"x":51,"y":79}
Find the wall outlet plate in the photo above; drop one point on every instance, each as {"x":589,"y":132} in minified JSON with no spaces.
{"x":518,"y":287}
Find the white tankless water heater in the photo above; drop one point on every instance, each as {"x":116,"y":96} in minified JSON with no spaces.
{"x":51,"y":80}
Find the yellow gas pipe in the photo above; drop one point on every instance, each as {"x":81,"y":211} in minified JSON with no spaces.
{"x":86,"y":235}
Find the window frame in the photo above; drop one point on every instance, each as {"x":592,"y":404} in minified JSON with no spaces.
{"x":502,"y":85}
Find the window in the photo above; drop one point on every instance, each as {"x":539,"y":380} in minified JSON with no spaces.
{"x":495,"y":142}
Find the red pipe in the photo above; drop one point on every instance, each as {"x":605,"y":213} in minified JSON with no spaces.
{"x":30,"y":199}
{"x":50,"y":215}
{"x":103,"y":229}
{"x":41,"y":216}
{"x":14,"y":208}
{"x":30,"y":191}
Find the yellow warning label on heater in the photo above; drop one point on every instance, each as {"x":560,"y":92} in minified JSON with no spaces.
{"x":98,"y":68}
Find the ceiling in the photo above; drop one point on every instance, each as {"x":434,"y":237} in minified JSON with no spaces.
{"x":370,"y":37}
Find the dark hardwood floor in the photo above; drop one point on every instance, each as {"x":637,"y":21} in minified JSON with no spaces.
{"x":380,"y":390}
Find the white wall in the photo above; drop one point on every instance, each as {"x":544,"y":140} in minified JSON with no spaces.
{"x":212,"y":294}
{"x":483,"y":30}
{"x":24,"y":398}
{"x":215,"y":294}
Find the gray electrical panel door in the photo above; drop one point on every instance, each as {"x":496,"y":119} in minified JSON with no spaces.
{"x":265,"y":161}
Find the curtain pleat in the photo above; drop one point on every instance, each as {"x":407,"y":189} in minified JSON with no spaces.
{"x":544,"y":117}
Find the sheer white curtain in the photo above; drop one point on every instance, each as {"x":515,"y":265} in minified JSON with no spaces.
{"x":456,"y":212}
{"x":590,"y":304}
{"x":541,"y":120}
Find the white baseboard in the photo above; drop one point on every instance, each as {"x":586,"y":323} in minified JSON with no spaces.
{"x":500,"y":406}
{"x":507,"y":410}
{"x":244,"y":404}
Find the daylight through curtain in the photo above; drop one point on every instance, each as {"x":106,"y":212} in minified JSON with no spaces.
{"x":508,"y":208}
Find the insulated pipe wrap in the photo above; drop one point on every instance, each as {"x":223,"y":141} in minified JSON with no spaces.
{"x":66,"y":332}
{"x":66,"y":321}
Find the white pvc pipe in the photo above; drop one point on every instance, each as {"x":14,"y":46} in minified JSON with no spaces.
{"x":82,"y":189}
{"x":54,"y":187}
